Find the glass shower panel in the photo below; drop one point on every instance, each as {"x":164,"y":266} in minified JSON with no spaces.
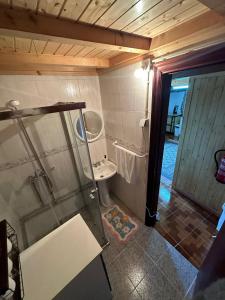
{"x":67,"y":165}
{"x":46,"y":176}
{"x":91,"y":213}
{"x":57,"y":183}
{"x":18,"y":199}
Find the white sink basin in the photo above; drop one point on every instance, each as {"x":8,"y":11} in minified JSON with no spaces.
{"x":104,"y":170}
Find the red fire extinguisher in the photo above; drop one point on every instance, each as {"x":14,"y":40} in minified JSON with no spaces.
{"x":220,"y":173}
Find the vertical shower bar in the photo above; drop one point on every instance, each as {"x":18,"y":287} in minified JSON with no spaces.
{"x":33,"y":150}
{"x":47,"y":180}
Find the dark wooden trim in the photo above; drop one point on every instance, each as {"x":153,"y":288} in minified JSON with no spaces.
{"x":213,"y":267}
{"x":200,"y":71}
{"x":209,"y":60}
{"x":197,"y":59}
{"x":160,"y":101}
{"x":28,"y":112}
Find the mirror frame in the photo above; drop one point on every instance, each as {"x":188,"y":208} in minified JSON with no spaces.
{"x":75,"y":127}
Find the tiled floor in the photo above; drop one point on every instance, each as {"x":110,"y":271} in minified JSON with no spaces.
{"x":185,"y":225}
{"x":147,"y":266}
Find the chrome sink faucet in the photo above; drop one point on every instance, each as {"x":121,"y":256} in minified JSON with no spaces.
{"x":97,"y":164}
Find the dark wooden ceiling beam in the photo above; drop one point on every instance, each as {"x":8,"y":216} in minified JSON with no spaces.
{"x":30,"y":25}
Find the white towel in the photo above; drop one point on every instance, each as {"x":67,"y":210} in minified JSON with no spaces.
{"x":126,"y":162}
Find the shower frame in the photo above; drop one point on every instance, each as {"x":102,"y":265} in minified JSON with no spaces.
{"x":60,"y":107}
{"x":42,"y":110}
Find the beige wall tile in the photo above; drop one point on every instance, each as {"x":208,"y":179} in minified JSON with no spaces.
{"x":123,"y":103}
{"x":17,"y":197}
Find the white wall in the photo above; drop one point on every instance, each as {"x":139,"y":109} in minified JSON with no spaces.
{"x":123,"y":102}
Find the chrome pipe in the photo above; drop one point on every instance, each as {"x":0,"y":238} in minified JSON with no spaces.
{"x":34,"y":152}
{"x":33,"y":181}
{"x":13,"y":107}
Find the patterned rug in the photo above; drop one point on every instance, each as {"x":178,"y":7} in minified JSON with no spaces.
{"x":121,"y":225}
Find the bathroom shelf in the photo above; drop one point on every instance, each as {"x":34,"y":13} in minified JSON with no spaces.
{"x":7,"y":232}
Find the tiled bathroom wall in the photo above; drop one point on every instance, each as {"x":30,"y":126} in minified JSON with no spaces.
{"x":121,"y":102}
{"x":124,"y":101}
{"x":17,"y":165}
{"x":34,"y":91}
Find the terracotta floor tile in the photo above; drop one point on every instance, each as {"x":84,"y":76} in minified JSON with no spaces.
{"x":197,"y":262}
{"x":212,"y":218}
{"x":189,"y":216}
{"x":176,"y":229}
{"x":183,"y":252}
{"x":195,"y":207}
{"x":206,"y":230}
{"x":186,"y":225}
{"x":196,"y":247}
{"x":165,"y":234}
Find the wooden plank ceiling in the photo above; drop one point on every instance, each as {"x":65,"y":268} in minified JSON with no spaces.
{"x":166,"y":23}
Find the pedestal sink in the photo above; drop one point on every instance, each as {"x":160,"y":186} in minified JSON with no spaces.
{"x":92,"y":122}
{"x":102,"y":171}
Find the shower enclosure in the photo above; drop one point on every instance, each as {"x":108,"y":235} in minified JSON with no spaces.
{"x":46,"y":175}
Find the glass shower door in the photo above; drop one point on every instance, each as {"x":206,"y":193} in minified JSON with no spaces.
{"x":91,"y":213}
{"x":67,"y":166}
{"x":22,"y":193}
{"x":46,"y":177}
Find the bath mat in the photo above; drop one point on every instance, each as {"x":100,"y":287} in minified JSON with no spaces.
{"x":121,"y":225}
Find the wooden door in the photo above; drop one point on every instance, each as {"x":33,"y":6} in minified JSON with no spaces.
{"x":203,"y":132}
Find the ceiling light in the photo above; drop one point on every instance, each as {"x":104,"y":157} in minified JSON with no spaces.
{"x":139,"y":73}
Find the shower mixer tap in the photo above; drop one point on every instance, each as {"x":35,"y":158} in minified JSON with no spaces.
{"x":12,"y":104}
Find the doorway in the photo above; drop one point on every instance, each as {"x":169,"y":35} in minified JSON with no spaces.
{"x":190,"y":203}
{"x":178,"y":92}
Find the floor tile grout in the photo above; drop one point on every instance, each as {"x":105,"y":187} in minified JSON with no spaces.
{"x":159,"y":269}
{"x":167,"y":276}
{"x":190,"y":287}
{"x":190,"y":228}
{"x":119,"y":253}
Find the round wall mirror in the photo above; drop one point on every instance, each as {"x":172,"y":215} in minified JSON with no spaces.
{"x":93,"y":126}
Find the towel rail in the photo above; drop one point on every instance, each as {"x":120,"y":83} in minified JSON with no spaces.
{"x":115,"y":144}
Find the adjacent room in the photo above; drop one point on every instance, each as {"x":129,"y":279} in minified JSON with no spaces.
{"x":175,"y":115}
{"x":190,"y":195}
{"x":112,"y":165}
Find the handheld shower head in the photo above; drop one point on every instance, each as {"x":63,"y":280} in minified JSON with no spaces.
{"x":12,"y":104}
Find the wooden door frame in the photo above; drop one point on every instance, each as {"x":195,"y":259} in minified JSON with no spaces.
{"x":209,"y":60}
